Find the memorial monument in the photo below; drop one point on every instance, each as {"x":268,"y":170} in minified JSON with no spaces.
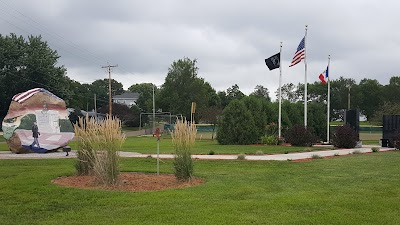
{"x":53,"y":128}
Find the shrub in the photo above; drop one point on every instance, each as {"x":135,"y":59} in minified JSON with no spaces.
{"x":242,"y":122}
{"x":269,"y":140}
{"x":299,"y":135}
{"x":375,"y":149}
{"x":336,"y":154}
{"x":316,"y":156}
{"x":396,"y":141}
{"x":259,"y":152}
{"x":281,"y":140}
{"x":211,"y":152}
{"x":98,"y":146}
{"x":183,"y":138}
{"x":271,"y":129}
{"x":356,"y":152}
{"x":241,"y":157}
{"x":344,"y":137}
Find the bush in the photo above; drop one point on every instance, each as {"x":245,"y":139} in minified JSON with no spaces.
{"x":355,"y":152}
{"x":396,"y":141}
{"x":183,"y":138}
{"x":375,"y":149}
{"x":241,"y":157}
{"x":211,"y":152}
{"x":344,"y":137}
{"x":98,"y":146}
{"x":316,"y":156}
{"x":259,"y":152}
{"x":271,"y":129}
{"x":270,"y":140}
{"x":299,"y":135}
{"x":242,"y":122}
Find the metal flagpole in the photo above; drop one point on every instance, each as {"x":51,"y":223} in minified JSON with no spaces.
{"x":280,"y":93}
{"x":305,"y":78}
{"x":329,"y":99}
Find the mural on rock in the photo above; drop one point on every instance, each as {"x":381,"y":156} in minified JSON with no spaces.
{"x":37,"y":121}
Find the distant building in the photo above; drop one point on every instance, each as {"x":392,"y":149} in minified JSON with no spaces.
{"x":127,"y":98}
{"x":99,"y":116}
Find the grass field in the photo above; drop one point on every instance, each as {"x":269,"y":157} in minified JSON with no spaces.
{"x":204,"y":145}
{"x":356,"y":189}
{"x":148,"y":145}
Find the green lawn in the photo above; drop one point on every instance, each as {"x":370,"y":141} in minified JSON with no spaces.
{"x":148,"y":145}
{"x":204,"y":145}
{"x":356,"y":189}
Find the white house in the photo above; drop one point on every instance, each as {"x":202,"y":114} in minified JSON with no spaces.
{"x":127,"y":98}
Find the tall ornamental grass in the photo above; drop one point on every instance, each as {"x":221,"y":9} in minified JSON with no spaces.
{"x":183,"y":138}
{"x":98,"y":146}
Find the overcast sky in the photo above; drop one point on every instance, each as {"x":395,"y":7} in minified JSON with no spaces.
{"x":229,"y":38}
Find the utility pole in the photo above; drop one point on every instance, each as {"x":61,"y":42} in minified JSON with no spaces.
{"x":95,"y":107}
{"x":154,"y":112}
{"x":109,"y":88}
{"x":348,"y":99}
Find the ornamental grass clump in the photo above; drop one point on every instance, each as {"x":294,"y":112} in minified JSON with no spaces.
{"x":98,"y":146}
{"x":183,"y":138}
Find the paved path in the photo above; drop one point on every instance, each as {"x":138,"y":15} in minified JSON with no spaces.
{"x":279,"y":157}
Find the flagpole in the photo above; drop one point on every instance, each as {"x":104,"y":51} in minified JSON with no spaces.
{"x":329,"y":100}
{"x":305,"y":78}
{"x":280,"y":94}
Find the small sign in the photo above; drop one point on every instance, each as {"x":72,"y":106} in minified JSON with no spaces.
{"x":193,"y":109}
{"x":158,"y":133}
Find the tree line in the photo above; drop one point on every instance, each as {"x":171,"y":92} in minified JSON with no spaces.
{"x":29,"y":63}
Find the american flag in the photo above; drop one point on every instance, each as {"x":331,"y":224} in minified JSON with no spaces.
{"x":21,"y":97}
{"x":300,"y":53}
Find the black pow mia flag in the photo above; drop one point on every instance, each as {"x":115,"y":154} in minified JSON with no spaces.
{"x":273,"y":62}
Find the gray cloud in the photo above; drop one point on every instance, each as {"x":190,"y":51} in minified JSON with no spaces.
{"x":230,"y":39}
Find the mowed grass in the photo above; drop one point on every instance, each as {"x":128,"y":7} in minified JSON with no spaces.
{"x":356,"y":189}
{"x":148,"y":145}
{"x":204,"y":144}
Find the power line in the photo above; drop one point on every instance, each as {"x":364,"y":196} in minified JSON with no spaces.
{"x":99,"y":60}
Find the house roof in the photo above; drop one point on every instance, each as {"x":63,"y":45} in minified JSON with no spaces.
{"x":127,"y":95}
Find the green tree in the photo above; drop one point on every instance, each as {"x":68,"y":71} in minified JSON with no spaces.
{"x":289,"y":92}
{"x":387,"y":108}
{"x":372,"y":96}
{"x":229,"y":95}
{"x":391,"y":92}
{"x":261,"y":91}
{"x":223,"y":98}
{"x":339,"y":96}
{"x":237,"y":125}
{"x":210,"y":115}
{"x":261,"y":113}
{"x":145,"y":90}
{"x":27,"y":64}
{"x":100,"y":88}
{"x":317,"y":92}
{"x":128,"y":116}
{"x":182,"y":86}
{"x":81,"y":96}
{"x":317,"y":119}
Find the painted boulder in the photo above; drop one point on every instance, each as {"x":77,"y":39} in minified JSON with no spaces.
{"x":41,"y":112}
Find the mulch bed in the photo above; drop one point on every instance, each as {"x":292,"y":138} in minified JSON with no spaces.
{"x":132,"y":182}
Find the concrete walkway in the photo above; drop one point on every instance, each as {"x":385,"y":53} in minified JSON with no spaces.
{"x":279,"y":157}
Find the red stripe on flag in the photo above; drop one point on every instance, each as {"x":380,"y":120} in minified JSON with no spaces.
{"x":25,"y":95}
{"x":322,"y":78}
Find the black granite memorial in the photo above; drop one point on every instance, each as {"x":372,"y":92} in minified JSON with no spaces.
{"x":391,"y":128}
